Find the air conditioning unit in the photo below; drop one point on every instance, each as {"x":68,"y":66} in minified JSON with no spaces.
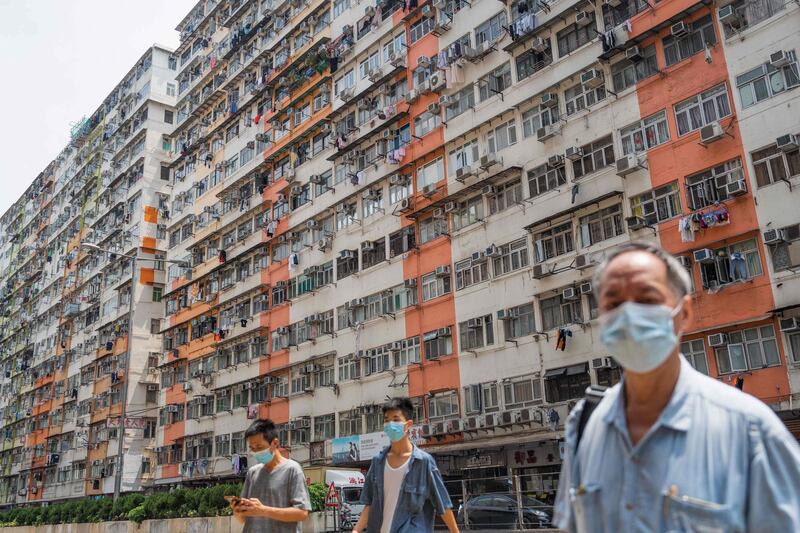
{"x":282,"y":331}
{"x":426,"y":430}
{"x":593,"y":78}
{"x":634,"y":53}
{"x":475,"y":323}
{"x":574,"y":153}
{"x":490,"y":421}
{"x":718,"y":339}
{"x":547,"y":132}
{"x":396,"y":59}
{"x":357,"y":302}
{"x":583,"y":261}
{"x":412,"y":96}
{"x":774,"y":236}
{"x":635,"y":223}
{"x":684,"y":260}
{"x":789,"y":324}
{"x":424,"y":61}
{"x":704,"y":255}
{"x":586,"y":287}
{"x":449,"y":207}
{"x":472,"y":423}
{"x":463,"y":173}
{"x":779,"y":59}
{"x":437,"y":82}
{"x":152,"y":388}
{"x":442,"y":270}
{"x":348,"y":254}
{"x":454,"y":426}
{"x":539,"y":44}
{"x":312,"y":224}
{"x":187,"y":386}
{"x":410,"y":283}
{"x":570,"y":294}
{"x":506,"y":418}
{"x":549,"y":100}
{"x":627,"y":165}
{"x":488,"y":190}
{"x":679,"y":29}
{"x":508,"y":314}
{"x":434,"y":108}
{"x":711,"y":132}
{"x":368,"y":246}
{"x":787,"y":143}
{"x":375,"y":74}
{"x":444,"y":332}
{"x":729,"y":16}
{"x":429,"y":190}
{"x":736,"y":188}
{"x":346,"y":94}
{"x":583,"y":19}
{"x":492,"y":251}
{"x":489,"y":160}
{"x":477,"y":257}
{"x":601,"y":362}
{"x":555,"y":161}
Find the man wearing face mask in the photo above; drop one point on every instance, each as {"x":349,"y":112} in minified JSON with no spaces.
{"x":403,"y":489}
{"x":274,"y":497}
{"x":670,"y":449}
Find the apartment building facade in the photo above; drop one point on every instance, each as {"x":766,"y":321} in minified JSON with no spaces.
{"x":409,"y":199}
{"x":77,"y":327}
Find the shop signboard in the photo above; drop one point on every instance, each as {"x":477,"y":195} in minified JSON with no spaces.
{"x":360,"y":448}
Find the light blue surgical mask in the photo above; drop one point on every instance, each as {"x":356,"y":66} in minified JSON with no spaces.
{"x":264,"y":457}
{"x":394,"y":430}
{"x":639,"y":336}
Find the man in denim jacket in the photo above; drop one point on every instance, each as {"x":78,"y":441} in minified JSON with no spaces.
{"x":403,"y":488}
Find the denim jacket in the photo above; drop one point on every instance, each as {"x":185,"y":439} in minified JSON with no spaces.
{"x":422,"y":495}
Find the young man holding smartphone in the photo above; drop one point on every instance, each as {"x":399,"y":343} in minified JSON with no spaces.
{"x":274,"y":497}
{"x":404,"y":489}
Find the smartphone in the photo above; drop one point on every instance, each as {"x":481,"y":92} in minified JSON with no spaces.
{"x":233,"y":499}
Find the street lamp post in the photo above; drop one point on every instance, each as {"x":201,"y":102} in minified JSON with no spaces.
{"x":126,"y":376}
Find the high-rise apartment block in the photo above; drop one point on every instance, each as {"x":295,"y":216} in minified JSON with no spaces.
{"x":351,"y":201}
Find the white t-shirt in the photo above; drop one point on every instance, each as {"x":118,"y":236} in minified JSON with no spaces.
{"x":392,"y":481}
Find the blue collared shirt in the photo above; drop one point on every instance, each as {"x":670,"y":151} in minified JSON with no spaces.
{"x":717,"y":460}
{"x":422,"y":495}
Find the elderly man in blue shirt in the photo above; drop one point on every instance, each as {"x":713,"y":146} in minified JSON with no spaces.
{"x":670,"y":449}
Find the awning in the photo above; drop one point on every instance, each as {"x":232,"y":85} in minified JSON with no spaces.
{"x":574,"y":370}
{"x":555,"y":372}
{"x":550,"y":218}
{"x":493,"y":442}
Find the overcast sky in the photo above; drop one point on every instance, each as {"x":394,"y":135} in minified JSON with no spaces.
{"x":60,"y":59}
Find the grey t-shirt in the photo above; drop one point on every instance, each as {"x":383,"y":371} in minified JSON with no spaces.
{"x":283,"y":487}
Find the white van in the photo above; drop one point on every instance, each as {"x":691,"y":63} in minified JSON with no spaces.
{"x":348,"y":485}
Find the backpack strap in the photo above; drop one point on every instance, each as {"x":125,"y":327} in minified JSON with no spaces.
{"x":591,"y":399}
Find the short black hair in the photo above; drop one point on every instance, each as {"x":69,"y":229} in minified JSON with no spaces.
{"x":264,"y":427}
{"x":399,"y":404}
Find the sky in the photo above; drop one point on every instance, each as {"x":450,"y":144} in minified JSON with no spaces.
{"x":59,"y":60}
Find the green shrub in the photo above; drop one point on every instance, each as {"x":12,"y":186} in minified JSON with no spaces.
{"x":317,"y":491}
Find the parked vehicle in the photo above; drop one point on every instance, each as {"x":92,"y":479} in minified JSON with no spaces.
{"x":499,"y":511}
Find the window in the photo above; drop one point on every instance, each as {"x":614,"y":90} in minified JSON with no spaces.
{"x":558,"y":312}
{"x":519,"y":321}
{"x":168,"y":116}
{"x":627,"y":73}
{"x":373,"y":252}
{"x":695,"y":352}
{"x":740,"y":261}
{"x":157,"y":293}
{"x":491,"y":29}
{"x":553,"y":242}
{"x":494,"y":82}
{"x":349,"y":367}
{"x":766,"y":81}
{"x":420,"y":29}
{"x":567,"y":383}
{"x":402,"y":241}
{"x":340,"y":6}
{"x":794,"y":346}
{"x":506,"y":195}
{"x":408,"y":352}
{"x":581,"y":97}
{"x":464,"y":156}
{"x":435,"y":285}
{"x":645,"y":134}
{"x":438,"y":343}
{"x":522,"y":392}
{"x":170,"y":90}
{"x":350,"y":423}
{"x":372,"y":203}
{"x":531,"y":62}
{"x":749,"y":349}
{"x":786,"y":255}
{"x":345,"y":266}
{"x":657,"y":205}
{"x":324,"y":427}
{"x":426,"y":123}
{"x":709,"y":187}
{"x":481,"y":397}
{"x":602,"y":225}
{"x":772,"y":165}
{"x":502,"y":136}
{"x":596,"y":155}
{"x":376,"y":360}
{"x":442,"y":406}
{"x":701,"y":36}
{"x":538,"y":117}
{"x":430,"y":174}
{"x":400,"y":191}
{"x":476,"y":333}
{"x":460,"y":102}
{"x":467,"y":213}
{"x":703,"y":109}
{"x":752,"y":12}
{"x":513,"y":256}
{"x":432,"y":228}
{"x":469,"y":272}
{"x":573,"y":37}
{"x":546,"y":178}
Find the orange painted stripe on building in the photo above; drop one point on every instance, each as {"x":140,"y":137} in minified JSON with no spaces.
{"x":150,"y":214}
{"x":147,"y":276}
{"x":684,"y":156}
{"x":149,"y":245}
